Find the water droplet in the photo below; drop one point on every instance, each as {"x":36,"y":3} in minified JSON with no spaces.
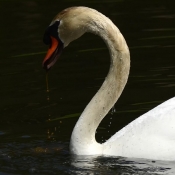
{"x":113,"y":110}
{"x":47,"y":82}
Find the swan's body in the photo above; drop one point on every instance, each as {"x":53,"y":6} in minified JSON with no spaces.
{"x":150,"y":136}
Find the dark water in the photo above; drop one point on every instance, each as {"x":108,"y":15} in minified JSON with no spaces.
{"x":33,"y":144}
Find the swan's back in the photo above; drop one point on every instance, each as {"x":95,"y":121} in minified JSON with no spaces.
{"x":152,"y":135}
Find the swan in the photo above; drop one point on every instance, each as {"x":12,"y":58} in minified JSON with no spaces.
{"x":150,"y":136}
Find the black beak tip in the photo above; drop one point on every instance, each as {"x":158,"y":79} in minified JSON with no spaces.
{"x":45,"y":66}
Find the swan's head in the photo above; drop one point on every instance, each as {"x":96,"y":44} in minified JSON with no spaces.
{"x":67,"y":26}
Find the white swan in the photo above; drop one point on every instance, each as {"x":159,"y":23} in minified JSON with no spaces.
{"x":150,"y":136}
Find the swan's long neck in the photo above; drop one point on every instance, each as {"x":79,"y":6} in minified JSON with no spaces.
{"x":83,"y":136}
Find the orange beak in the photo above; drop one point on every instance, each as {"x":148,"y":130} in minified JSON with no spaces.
{"x":53,"y":53}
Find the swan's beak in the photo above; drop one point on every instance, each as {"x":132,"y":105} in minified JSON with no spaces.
{"x":53,"y":53}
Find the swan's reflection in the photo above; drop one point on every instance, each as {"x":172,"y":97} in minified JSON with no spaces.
{"x":119,"y":165}
{"x":90,"y":165}
{"x":80,"y":161}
